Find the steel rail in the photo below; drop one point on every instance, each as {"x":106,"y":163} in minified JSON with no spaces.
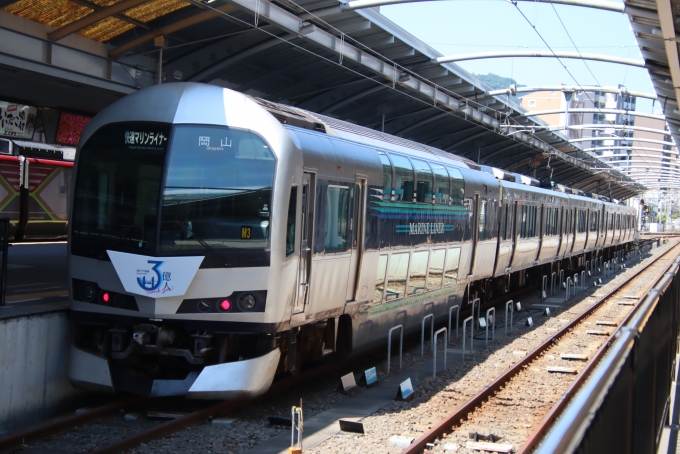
{"x":454,"y":419}
{"x":589,"y":397}
{"x":199,"y":416}
{"x":538,"y":434}
{"x":63,"y":424}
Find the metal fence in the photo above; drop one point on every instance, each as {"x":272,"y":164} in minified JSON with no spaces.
{"x":4,"y":246}
{"x":624,"y":404}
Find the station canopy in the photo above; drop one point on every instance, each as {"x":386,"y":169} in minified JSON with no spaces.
{"x":351,"y":65}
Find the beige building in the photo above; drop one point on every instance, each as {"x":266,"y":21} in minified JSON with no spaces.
{"x":660,"y":154}
{"x":554,"y":100}
{"x":629,"y":143}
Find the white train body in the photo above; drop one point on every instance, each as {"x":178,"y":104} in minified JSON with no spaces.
{"x":217,"y":240}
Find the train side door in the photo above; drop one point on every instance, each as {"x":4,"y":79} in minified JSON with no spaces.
{"x":541,"y":230}
{"x":306,"y":229}
{"x":358,"y":197}
{"x":514,"y":212}
{"x":475,"y":234}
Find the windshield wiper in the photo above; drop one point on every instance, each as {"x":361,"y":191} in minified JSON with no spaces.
{"x":204,"y":244}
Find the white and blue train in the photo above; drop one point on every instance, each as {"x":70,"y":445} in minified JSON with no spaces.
{"x":217,"y":240}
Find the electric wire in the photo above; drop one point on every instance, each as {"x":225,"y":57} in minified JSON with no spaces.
{"x":336,"y":63}
{"x":620,"y":180}
{"x":514,"y":3}
{"x":598,"y":83}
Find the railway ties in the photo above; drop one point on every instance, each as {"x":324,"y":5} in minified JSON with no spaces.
{"x":413,"y":419}
{"x":520,"y":405}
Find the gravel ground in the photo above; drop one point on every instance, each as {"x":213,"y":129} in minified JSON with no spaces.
{"x":433,"y":401}
{"x":515,"y":412}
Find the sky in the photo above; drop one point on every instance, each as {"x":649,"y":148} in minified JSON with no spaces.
{"x":463,"y":26}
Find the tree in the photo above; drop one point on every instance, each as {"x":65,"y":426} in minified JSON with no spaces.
{"x":497,"y":82}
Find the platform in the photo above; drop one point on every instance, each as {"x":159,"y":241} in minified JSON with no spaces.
{"x":37,"y":279}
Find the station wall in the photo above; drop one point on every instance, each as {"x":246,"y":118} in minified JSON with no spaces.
{"x":34,"y":384}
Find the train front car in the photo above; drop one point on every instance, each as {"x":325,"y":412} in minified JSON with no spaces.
{"x":177,"y":244}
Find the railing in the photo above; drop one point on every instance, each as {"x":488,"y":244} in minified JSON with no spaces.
{"x":470,"y":319}
{"x":4,"y":245}
{"x":457,"y":307}
{"x":422,"y":333}
{"x":508,"y":306}
{"x":490,"y":320}
{"x":389,"y":345}
{"x":624,"y":405}
{"x":434,"y":350}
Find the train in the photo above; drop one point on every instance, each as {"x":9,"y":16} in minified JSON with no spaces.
{"x":218,"y":239}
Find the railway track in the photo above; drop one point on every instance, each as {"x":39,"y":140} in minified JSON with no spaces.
{"x":192,"y":418}
{"x":525,"y":400}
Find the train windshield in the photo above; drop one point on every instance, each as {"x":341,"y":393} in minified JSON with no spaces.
{"x":217,"y":190}
{"x":117,"y":189}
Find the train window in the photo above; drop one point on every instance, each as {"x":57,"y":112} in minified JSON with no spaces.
{"x":593,"y":221}
{"x":602,"y":220}
{"x":396,"y":276}
{"x":380,"y":279}
{"x":118,"y":186}
{"x":416,"y":275}
{"x":610,"y":221}
{"x":528,"y":221}
{"x":290,"y":223}
{"x":550,"y":221}
{"x":217,"y":190}
{"x":487,"y":219}
{"x":618,"y":222}
{"x":451,"y":266}
{"x":581,"y":221}
{"x":436,"y":269}
{"x":555,"y":223}
{"x":403,"y":178}
{"x":441,"y":184}
{"x":504,"y":220}
{"x":423,"y":181}
{"x":337,"y":213}
{"x":457,"y":186}
{"x":482,"y":219}
{"x":387,"y":176}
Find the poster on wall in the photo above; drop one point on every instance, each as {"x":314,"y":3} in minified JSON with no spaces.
{"x":71,"y":127}
{"x":17,"y":120}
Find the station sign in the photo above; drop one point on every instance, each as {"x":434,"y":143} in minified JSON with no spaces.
{"x":17,"y":120}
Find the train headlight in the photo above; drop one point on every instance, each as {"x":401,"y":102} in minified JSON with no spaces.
{"x":224,"y":305}
{"x":119,"y":300}
{"x":247,"y":302}
{"x":203,"y":306}
{"x":86,"y":291}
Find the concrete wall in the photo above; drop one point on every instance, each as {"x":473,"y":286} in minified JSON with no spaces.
{"x":33,"y":369}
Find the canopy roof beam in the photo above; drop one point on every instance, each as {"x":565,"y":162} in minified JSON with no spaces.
{"x":92,"y":18}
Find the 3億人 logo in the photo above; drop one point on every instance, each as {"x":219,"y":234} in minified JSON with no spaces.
{"x":152,"y":279}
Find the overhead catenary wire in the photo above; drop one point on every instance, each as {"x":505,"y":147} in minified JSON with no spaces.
{"x":337,"y":63}
{"x":514,"y":3}
{"x":616,"y":177}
